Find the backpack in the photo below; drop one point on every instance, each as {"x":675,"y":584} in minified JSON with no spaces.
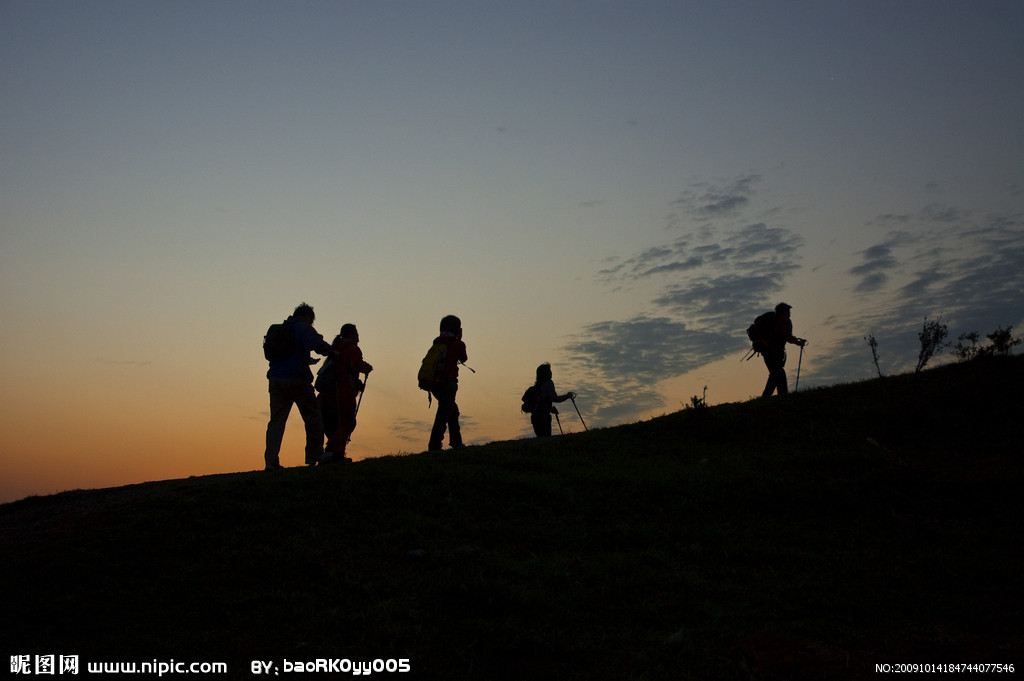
{"x":279,"y":342}
{"x":762,"y":328}
{"x":327,"y":376}
{"x":431,"y":373}
{"x":530,"y":399}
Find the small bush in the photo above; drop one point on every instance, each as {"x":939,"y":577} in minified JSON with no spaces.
{"x":699,"y":402}
{"x":965,"y":352}
{"x":1002,"y":340}
{"x":933,"y":338}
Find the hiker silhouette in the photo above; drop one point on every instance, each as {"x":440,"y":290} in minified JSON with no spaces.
{"x":773,"y":330}
{"x":291,"y":382}
{"x":543,"y":397}
{"x":445,"y":385}
{"x":338,"y":385}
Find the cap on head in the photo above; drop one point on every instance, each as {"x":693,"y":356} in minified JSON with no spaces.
{"x":783,"y":307}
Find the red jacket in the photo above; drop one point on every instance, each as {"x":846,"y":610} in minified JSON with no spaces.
{"x":350,"y":364}
{"x":456,"y":353}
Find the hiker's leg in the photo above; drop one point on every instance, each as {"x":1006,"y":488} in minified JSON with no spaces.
{"x":454,"y":429}
{"x":541,"y":424}
{"x":346,"y":424}
{"x":452,"y":414}
{"x":305,"y":400}
{"x":280,"y":406}
{"x":328,"y":401}
{"x":776,"y":362}
{"x":440,"y":423}
{"x":447,"y":418}
{"x":769,"y":386}
{"x":781,"y":383}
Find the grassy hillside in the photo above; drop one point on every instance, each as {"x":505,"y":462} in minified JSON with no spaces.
{"x":812,"y":536}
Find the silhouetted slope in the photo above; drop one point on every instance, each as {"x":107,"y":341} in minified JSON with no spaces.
{"x":818,"y":534}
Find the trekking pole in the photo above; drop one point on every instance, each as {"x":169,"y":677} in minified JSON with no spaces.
{"x":360,"y":400}
{"x":801,"y":361}
{"x":468,"y":367}
{"x":579,"y":414}
{"x":560,"y":431}
{"x":749,"y":354}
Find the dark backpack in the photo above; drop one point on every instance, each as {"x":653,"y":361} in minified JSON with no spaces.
{"x":530,"y":399}
{"x":279,"y":342}
{"x":327,"y":376}
{"x":762,"y":328}
{"x":431,"y":373}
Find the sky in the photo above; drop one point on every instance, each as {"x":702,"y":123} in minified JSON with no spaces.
{"x":616,"y":188}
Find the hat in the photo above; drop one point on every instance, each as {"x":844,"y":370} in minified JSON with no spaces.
{"x":782,"y":307}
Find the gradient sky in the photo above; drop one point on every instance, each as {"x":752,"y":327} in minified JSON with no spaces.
{"x":614,"y":187}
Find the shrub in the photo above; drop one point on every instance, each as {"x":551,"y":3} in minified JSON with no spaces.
{"x":873,"y":343}
{"x":1003,"y":340}
{"x":965,"y":352}
{"x":1002,"y":344}
{"x":933,"y":338}
{"x":699,"y":402}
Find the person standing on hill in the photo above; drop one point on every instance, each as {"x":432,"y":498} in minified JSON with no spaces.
{"x":339,"y":385}
{"x":545,"y":396}
{"x":775,"y":330}
{"x":291,"y":382}
{"x":444,"y":391}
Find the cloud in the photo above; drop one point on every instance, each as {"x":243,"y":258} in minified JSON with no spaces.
{"x":417,"y":431}
{"x":707,"y":200}
{"x":707,"y":284}
{"x":872,"y":271}
{"x":718,"y":277}
{"x":411,"y":430}
{"x":623,"y":361}
{"x":936,"y":212}
{"x":943,"y":262}
{"x":723,"y":302}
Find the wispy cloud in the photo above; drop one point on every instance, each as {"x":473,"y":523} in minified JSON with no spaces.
{"x":707,"y":200}
{"x":417,"y":431}
{"x":723,"y":269}
{"x":873,"y":271}
{"x":622,"y":362}
{"x":942,"y":261}
{"x":707,"y":284}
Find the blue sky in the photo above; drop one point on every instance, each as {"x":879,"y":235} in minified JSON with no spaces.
{"x":613,"y":187}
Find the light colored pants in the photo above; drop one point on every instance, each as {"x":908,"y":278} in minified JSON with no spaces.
{"x":284,"y":392}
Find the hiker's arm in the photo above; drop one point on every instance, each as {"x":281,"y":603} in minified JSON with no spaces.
{"x":361,"y":365}
{"x":314,"y":342}
{"x":322,"y":347}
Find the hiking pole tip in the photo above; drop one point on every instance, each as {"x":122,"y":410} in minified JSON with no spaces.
{"x":573,"y":398}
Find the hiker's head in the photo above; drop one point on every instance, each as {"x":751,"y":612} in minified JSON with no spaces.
{"x":305,"y":312}
{"x":349,"y":331}
{"x":451,"y":324}
{"x":544,"y":372}
{"x":783,"y":309}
